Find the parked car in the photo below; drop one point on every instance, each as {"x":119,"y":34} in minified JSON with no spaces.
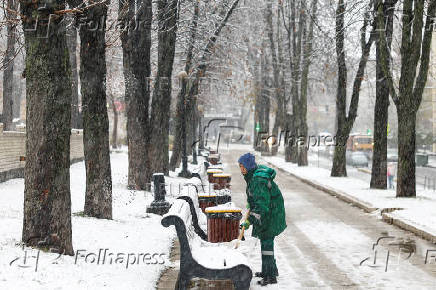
{"x":392,"y":155}
{"x":357,"y":159}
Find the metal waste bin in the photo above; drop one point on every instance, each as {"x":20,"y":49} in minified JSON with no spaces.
{"x":211,"y":172}
{"x":205,"y":201}
{"x":222,"y":223}
{"x":221,"y":180}
{"x":213,"y":159}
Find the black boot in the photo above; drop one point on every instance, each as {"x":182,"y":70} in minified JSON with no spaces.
{"x":267,"y":280}
{"x":258,"y":274}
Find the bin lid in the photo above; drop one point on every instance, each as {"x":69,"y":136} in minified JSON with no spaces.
{"x":214,"y":170}
{"x":222,"y":175}
{"x":207,"y":195}
{"x":227,"y":207}
{"x":217,"y":166}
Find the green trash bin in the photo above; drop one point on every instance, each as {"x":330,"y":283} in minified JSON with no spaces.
{"x":421,"y":159}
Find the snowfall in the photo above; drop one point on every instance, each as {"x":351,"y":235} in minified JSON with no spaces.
{"x":111,"y":254}
{"x":129,"y":236}
{"x":128,"y":252}
{"x":418,"y":212}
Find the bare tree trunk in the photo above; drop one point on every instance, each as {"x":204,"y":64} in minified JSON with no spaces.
{"x":345,"y":123}
{"x":8,"y":65}
{"x":307,"y":51}
{"x":177,"y":144}
{"x":297,"y":36}
{"x":200,"y":70}
{"x":136,"y":44}
{"x":160,"y":116}
{"x":339,"y":158}
{"x":264,"y":104}
{"x":379,"y":161}
{"x":72,"y":47}
{"x":406,"y":179}
{"x":415,"y":49}
{"x":18,"y":94}
{"x":47,"y":198}
{"x":115,"y":126}
{"x":288,"y":129}
{"x":254,"y":66}
{"x":276,"y":71}
{"x":98,"y":197}
{"x":190,"y":120}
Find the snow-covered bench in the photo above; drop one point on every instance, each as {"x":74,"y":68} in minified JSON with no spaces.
{"x":194,"y":216}
{"x":202,"y":259}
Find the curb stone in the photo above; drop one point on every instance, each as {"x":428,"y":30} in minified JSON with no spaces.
{"x":385,"y":212}
{"x":168,"y":277}
{"x":388,"y":218}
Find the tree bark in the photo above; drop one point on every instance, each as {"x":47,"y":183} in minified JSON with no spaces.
{"x":200,"y":69}
{"x":115,"y":126}
{"x":415,"y":50}
{"x":264,"y":104}
{"x":160,"y":116}
{"x":406,"y":180}
{"x":276,"y":72}
{"x":379,"y":158}
{"x":307,"y":51}
{"x":136,"y":44}
{"x":345,"y":123}
{"x":47,"y":198}
{"x":295,"y":45}
{"x":8,"y":66}
{"x":72,"y":47}
{"x":19,"y":84}
{"x":98,"y":196}
{"x":288,"y":129}
{"x":177,"y":144}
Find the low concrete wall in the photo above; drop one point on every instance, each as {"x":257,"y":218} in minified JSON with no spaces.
{"x":13,"y":146}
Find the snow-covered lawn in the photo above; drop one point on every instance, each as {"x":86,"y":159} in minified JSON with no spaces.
{"x":128,"y":252}
{"x":417,"y":211}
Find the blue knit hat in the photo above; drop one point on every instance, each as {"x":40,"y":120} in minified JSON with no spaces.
{"x":248,"y":160}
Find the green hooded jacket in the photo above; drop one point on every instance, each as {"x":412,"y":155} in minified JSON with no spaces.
{"x":267,"y":210}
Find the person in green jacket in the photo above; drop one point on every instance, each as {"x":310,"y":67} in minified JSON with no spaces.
{"x":267,"y":212}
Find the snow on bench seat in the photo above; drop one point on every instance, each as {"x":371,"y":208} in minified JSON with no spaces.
{"x":202,"y":259}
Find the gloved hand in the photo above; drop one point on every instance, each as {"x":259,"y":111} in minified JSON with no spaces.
{"x":245,"y":225}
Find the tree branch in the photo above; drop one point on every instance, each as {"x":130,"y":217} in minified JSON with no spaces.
{"x":425,"y":55}
{"x":384,"y":51}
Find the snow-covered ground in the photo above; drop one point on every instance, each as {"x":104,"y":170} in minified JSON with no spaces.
{"x":417,"y":211}
{"x":128,"y":252}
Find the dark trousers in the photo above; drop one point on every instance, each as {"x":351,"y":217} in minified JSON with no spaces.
{"x":269,"y":267}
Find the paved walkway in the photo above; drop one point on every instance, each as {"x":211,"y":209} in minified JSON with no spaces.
{"x":327,"y":240}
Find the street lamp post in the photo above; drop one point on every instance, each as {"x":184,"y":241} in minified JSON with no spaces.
{"x":194,"y":145}
{"x":199,"y":144}
{"x":200,"y":128}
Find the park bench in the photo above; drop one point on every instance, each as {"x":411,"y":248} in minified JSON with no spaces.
{"x":194,"y":214}
{"x":199,"y":259}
